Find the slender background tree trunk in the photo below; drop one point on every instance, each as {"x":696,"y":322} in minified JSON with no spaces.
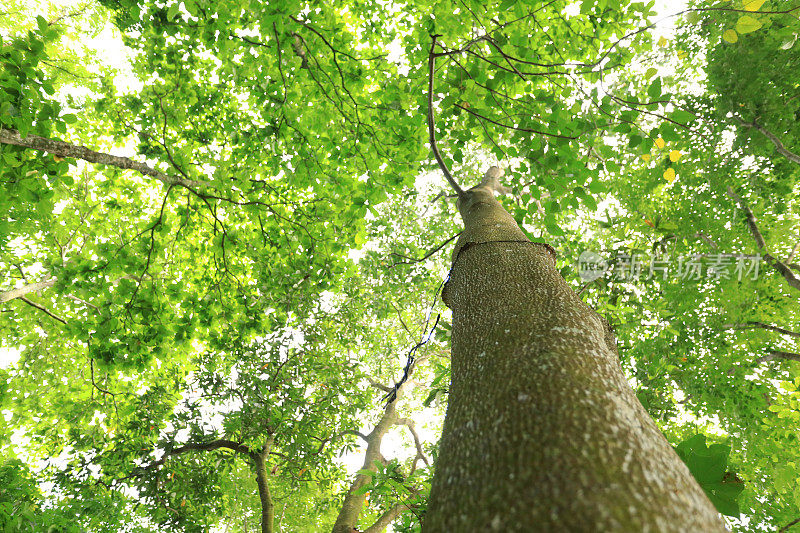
{"x":542,"y":431}
{"x":267,"y":506}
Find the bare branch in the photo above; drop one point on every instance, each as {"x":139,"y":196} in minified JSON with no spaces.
{"x":706,"y":239}
{"x":402,"y":322}
{"x":785,"y":528}
{"x":379,"y":385}
{"x":354,"y":502}
{"x":201,"y":447}
{"x":410,"y":260}
{"x":84,"y":302}
{"x":356,"y":433}
{"x":751,"y":219}
{"x":334,"y":438}
{"x":432,"y":127}
{"x":417,"y":443}
{"x":63,"y":149}
{"x":518,"y":128}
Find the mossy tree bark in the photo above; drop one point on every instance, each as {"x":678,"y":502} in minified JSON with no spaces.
{"x":542,"y":431}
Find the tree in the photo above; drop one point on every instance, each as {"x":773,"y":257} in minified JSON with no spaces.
{"x":190,"y":315}
{"x":538,"y":402}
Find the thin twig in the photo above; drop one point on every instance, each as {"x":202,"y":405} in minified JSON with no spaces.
{"x":43,"y":309}
{"x":424,"y":257}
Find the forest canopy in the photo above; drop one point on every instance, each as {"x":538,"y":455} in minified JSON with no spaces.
{"x":225,"y":228}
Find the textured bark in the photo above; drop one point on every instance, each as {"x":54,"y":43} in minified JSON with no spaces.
{"x":63,"y":149}
{"x":542,"y":431}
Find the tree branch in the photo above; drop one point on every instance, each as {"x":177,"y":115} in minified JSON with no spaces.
{"x":762,"y":325}
{"x":784,"y":270}
{"x":778,"y":354}
{"x":785,"y":528}
{"x":518,"y":128}
{"x":706,"y":239}
{"x":424,"y":257}
{"x":378,"y":385}
{"x":201,"y":447}
{"x":792,"y":253}
{"x":751,"y":219}
{"x":43,"y":309}
{"x":420,"y":454}
{"x":354,"y":501}
{"x":25,"y":289}
{"x":791,"y":156}
{"x":267,"y":506}
{"x":63,"y":149}
{"x":387,"y":518}
{"x":356,"y":433}
{"x":432,"y":127}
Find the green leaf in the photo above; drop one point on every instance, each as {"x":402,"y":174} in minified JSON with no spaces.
{"x":725,"y":506}
{"x":654,"y":90}
{"x":173,"y":11}
{"x":788,"y":42}
{"x":42,"y":23}
{"x":683,"y":117}
{"x":730,"y":36}
{"x":747,"y":24}
{"x":753,"y":5}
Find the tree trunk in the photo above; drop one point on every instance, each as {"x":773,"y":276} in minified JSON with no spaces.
{"x":267,"y":507}
{"x":542,"y":431}
{"x":353,"y":503}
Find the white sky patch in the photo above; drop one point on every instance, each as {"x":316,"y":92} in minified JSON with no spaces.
{"x":9,"y":357}
{"x":665,"y":27}
{"x":572,"y":10}
{"x":355,"y":255}
{"x":114,"y":54}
